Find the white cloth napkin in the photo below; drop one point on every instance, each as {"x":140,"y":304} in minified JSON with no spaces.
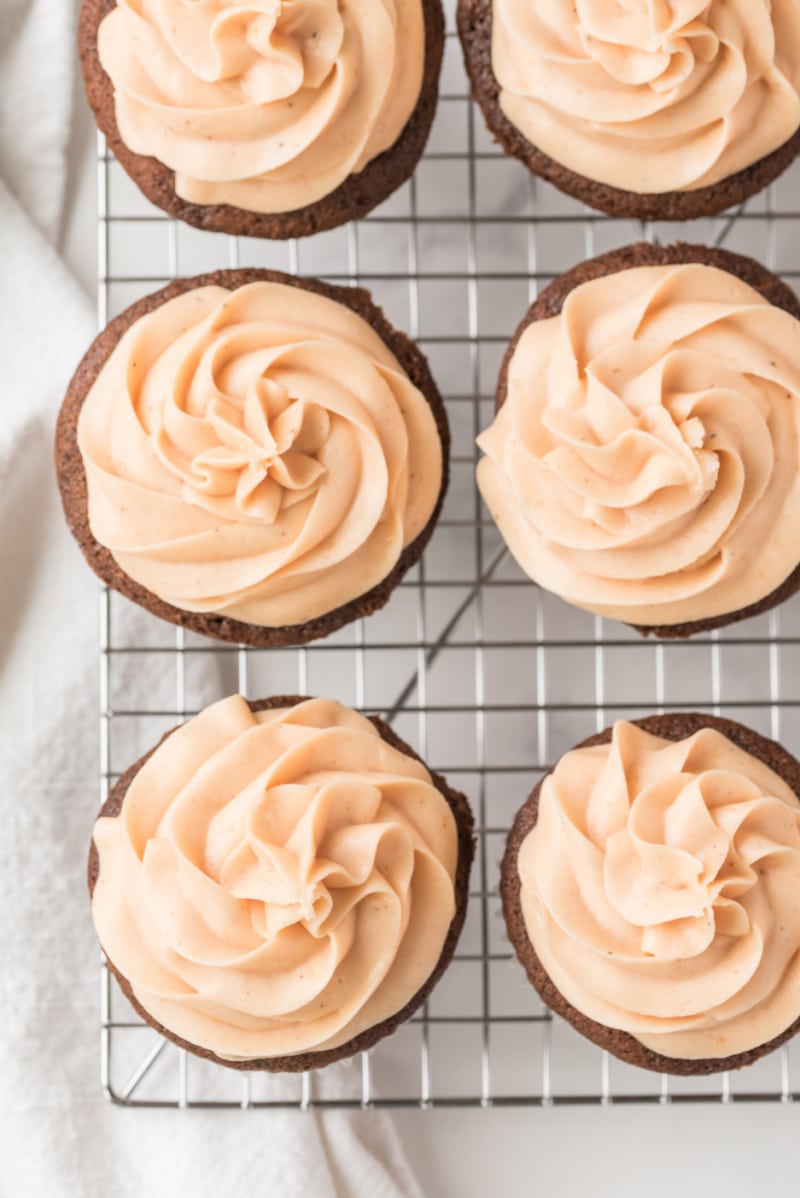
{"x":57,"y":1134}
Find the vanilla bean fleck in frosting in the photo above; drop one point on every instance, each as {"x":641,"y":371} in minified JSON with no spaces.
{"x":660,"y":889}
{"x":277,"y":881}
{"x":644,"y":464}
{"x":650,"y":96}
{"x":257,"y":453}
{"x":267,"y":105}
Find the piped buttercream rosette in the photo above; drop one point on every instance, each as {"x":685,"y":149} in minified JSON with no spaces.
{"x":255,"y":456}
{"x":655,"y":875}
{"x":279,"y":880}
{"x":266,"y":106}
{"x":650,"y":97}
{"x":644,"y":461}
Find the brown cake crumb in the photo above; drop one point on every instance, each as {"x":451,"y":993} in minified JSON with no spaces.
{"x":550,"y":302}
{"x":475,"y":30}
{"x":72,"y":474}
{"x":674,"y":726}
{"x":357,"y":195}
{"x":462,"y":814}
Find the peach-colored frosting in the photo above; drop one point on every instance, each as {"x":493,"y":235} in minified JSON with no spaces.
{"x":258,"y":453}
{"x":660,"y":889}
{"x":267,"y":105}
{"x":650,"y":95}
{"x":276,"y":882}
{"x":644,"y":464}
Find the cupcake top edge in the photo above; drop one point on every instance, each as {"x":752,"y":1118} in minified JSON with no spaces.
{"x":276,"y":881}
{"x":655,"y":98}
{"x":659,"y":889}
{"x":257,"y":453}
{"x":644,"y":461}
{"x":269,"y":107}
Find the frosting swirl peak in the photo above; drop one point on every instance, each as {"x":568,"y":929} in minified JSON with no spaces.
{"x":650,"y":96}
{"x":644,"y":464}
{"x":277,"y":881}
{"x":660,"y":889}
{"x":251,"y":452}
{"x":267,"y":105}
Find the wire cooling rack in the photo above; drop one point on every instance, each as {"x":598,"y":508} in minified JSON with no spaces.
{"x":490,"y":678}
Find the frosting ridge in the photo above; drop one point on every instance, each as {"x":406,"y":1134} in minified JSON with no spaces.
{"x":266,"y":105}
{"x":644,"y":464}
{"x":660,"y":889}
{"x":650,"y":97}
{"x":276,"y":881}
{"x":251,"y":452}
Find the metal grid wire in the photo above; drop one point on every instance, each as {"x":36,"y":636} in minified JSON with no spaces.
{"x":488,"y":677}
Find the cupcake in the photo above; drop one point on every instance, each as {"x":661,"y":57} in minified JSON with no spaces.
{"x":660,"y":111}
{"x":643,"y":461}
{"x":279,"y":884}
{"x":651,"y":889}
{"x":255,"y":457}
{"x":270,"y":119}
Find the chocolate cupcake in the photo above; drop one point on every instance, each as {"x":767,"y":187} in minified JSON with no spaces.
{"x":659,"y":112}
{"x":252,"y":456}
{"x":643,"y":463}
{"x":279,"y":121}
{"x":279,"y":884}
{"x":650,"y":889}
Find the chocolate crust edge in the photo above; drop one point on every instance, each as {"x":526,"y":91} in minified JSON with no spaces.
{"x":550,"y":302}
{"x":301,"y":1062}
{"x":474,"y":20}
{"x":357,"y":195}
{"x":674,"y":726}
{"x":72,"y":474}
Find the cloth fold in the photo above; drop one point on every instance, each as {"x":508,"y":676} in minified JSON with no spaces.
{"x":57,"y":1134}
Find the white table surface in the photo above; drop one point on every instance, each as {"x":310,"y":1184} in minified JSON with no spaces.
{"x":568,"y":1151}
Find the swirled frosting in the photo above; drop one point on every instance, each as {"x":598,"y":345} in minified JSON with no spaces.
{"x":268,"y":104}
{"x":660,"y":889}
{"x":258,"y":453}
{"x":644,"y":464}
{"x":650,"y":95}
{"x":277,"y":881}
